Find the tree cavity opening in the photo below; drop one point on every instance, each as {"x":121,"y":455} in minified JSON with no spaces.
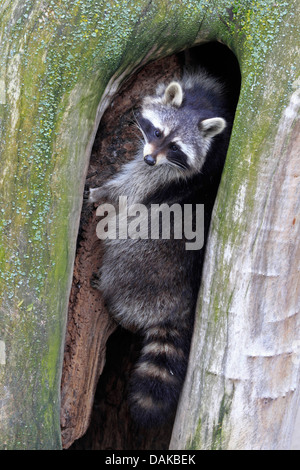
{"x":99,"y":355}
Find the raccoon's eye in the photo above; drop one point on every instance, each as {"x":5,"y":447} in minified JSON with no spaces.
{"x":157,"y":133}
{"x":174,"y":147}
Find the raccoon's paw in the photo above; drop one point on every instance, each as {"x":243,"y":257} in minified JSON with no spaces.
{"x":96,"y":194}
{"x":95,"y":280}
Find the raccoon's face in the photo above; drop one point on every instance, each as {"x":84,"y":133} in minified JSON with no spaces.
{"x":174,"y":135}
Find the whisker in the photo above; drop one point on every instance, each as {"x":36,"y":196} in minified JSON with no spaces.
{"x":137,"y":126}
{"x":179,"y":164}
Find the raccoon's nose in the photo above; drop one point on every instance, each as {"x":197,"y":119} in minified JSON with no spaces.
{"x":150,"y":160}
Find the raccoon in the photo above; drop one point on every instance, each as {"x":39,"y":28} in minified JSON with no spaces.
{"x":150,"y":286}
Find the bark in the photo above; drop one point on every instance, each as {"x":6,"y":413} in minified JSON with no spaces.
{"x":61,"y":63}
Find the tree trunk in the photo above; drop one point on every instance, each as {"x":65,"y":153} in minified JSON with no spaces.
{"x":61,"y":63}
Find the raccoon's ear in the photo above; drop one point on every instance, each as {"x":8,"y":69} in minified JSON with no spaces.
{"x":213,"y":126}
{"x":173,"y":94}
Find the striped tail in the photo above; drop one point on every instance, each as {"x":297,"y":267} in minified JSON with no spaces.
{"x":158,"y":377}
